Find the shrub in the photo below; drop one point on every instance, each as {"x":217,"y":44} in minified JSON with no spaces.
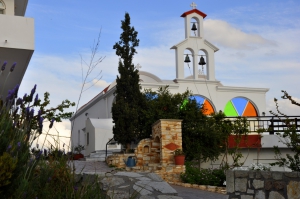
{"x":213,"y":177}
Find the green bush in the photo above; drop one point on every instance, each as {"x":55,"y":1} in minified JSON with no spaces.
{"x":213,"y":177}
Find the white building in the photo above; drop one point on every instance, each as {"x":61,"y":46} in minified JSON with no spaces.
{"x":234,"y":101}
{"x":16,"y":41}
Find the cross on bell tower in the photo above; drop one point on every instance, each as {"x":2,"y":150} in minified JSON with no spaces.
{"x":193,"y":5}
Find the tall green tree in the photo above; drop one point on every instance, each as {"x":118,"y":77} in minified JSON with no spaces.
{"x":126,"y":111}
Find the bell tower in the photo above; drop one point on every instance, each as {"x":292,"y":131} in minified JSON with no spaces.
{"x":201,"y":51}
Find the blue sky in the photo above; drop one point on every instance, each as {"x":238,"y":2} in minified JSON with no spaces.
{"x":258,"y":41}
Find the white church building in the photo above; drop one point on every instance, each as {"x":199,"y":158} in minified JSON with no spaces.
{"x":92,"y":124}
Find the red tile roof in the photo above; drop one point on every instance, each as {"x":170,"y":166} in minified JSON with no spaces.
{"x":194,"y":11}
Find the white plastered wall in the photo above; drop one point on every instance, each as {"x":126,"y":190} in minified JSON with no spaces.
{"x":100,"y":132}
{"x":100,"y":109}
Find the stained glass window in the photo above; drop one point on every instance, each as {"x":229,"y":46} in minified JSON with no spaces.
{"x":240,"y":107}
{"x":207,"y":106}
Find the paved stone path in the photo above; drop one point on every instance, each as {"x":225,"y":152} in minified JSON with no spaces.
{"x":122,"y":184}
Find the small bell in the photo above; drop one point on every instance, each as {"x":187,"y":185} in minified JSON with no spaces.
{"x":202,"y":62}
{"x":194,"y":28}
{"x":187,"y":59}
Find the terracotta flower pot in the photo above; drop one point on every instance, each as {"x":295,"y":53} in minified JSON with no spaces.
{"x":77,"y":156}
{"x":179,"y":159}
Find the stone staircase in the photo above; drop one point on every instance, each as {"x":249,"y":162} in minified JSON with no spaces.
{"x":99,"y":155}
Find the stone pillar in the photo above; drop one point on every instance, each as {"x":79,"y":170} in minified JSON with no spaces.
{"x":168,"y":131}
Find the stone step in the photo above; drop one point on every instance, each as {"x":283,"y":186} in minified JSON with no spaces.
{"x":95,"y":159}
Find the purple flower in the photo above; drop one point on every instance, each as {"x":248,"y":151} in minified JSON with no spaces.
{"x":51,"y":123}
{"x":27,"y":112}
{"x":41,"y":121}
{"x":40,"y":129}
{"x":36,"y":100}
{"x":19,"y":144}
{"x":13,"y":67}
{"x":24,"y":97}
{"x":75,"y":188}
{"x":32,"y":93}
{"x":8,"y":148}
{"x":15,"y":91}
{"x":33,"y":90}
{"x":3,"y":66}
{"x":39,"y":115}
{"x":19,"y":101}
{"x":31,"y":113}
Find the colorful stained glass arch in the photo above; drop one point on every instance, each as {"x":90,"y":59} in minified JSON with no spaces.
{"x":207,"y":106}
{"x":240,"y":107}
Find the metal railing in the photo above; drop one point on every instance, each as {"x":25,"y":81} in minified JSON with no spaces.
{"x":271,"y":124}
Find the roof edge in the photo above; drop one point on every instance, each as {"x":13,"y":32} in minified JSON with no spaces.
{"x":194,"y":11}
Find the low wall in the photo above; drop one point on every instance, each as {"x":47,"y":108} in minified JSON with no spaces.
{"x":262,"y":184}
{"x":170,"y":172}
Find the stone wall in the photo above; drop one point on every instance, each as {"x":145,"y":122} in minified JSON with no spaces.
{"x":156,"y":154}
{"x":262,"y":184}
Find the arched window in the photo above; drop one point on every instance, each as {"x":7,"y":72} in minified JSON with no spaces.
{"x":240,"y":106}
{"x":2,"y":7}
{"x":203,"y":101}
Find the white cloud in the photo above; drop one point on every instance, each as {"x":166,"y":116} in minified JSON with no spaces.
{"x":100,"y":83}
{"x":224,"y":34}
{"x":285,"y":107}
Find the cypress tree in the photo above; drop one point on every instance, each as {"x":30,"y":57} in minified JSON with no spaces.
{"x":126,"y":111}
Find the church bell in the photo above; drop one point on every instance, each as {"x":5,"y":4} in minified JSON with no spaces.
{"x":202,"y":62}
{"x":194,"y":28}
{"x":187,"y":59}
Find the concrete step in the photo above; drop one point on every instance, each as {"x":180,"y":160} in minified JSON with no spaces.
{"x":88,"y":159}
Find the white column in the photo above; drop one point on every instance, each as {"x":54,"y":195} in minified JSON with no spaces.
{"x":195,"y":65}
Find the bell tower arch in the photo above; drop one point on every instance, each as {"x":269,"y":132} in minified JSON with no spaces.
{"x":202,"y":50}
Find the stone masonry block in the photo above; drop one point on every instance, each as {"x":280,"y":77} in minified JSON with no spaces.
{"x":291,"y":174}
{"x":258,"y":184}
{"x":276,"y":195}
{"x":266,"y":174}
{"x":293,"y":190}
{"x":277,"y":175}
{"x":240,"y":184}
{"x":241,"y":174}
{"x":230,"y":181}
{"x":250,"y":191}
{"x":279,"y":185}
{"x":268,"y":184}
{"x":246,"y":197}
{"x":260,"y":195}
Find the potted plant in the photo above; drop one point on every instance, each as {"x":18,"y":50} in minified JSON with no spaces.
{"x":179,"y":157}
{"x":78,"y":153}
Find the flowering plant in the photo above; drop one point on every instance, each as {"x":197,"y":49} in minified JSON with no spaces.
{"x":178,"y":152}
{"x":259,"y":167}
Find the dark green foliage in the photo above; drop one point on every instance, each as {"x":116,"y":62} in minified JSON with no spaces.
{"x":290,"y":137}
{"x":161,"y":104}
{"x":204,"y":137}
{"x":127,"y":109}
{"x":213,"y":177}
